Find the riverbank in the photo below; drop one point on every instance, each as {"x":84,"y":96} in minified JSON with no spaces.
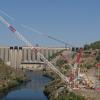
{"x":32,"y":90}
{"x":57,"y":90}
{"x":8,"y":86}
{"x":10,"y":78}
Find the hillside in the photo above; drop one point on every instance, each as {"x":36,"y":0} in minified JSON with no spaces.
{"x":95,"y":45}
{"x":9,"y":77}
{"x":90,"y":56}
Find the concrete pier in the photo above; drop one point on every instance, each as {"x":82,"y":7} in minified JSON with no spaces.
{"x":15,"y":55}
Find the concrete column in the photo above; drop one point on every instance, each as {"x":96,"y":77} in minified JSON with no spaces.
{"x":24,"y":54}
{"x":11,"y":57}
{"x":33,"y":55}
{"x":29,"y":54}
{"x":19,"y":56}
{"x":9,"y":54}
{"x":6,"y":55}
{"x":46,"y":53}
{"x":38,"y":58}
{"x":42,"y":51}
{"x":50,"y":52}
{"x":2,"y":53}
{"x":16,"y":58}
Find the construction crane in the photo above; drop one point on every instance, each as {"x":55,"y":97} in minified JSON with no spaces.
{"x":88,"y":81}
{"x":22,"y":38}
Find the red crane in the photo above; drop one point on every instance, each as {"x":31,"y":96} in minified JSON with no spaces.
{"x":79,"y":55}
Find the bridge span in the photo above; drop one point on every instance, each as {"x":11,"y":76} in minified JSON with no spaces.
{"x":17,"y":56}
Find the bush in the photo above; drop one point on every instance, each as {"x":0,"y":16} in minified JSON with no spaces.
{"x":61,"y":62}
{"x":95,"y":45}
{"x":55,"y":54}
{"x":86,"y":47}
{"x":70,"y":96}
{"x":98,"y":58}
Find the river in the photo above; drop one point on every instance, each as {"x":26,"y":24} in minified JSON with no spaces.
{"x":32,"y":90}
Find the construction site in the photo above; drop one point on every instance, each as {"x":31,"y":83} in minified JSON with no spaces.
{"x":75,"y":71}
{"x":82,"y":73}
{"x":78,"y":77}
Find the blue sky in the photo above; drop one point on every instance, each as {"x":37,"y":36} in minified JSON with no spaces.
{"x":75,"y":21}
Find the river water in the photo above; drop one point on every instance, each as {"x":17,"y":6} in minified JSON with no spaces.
{"x":33,"y":90}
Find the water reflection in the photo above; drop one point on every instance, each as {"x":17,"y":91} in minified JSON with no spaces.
{"x":32,"y":90}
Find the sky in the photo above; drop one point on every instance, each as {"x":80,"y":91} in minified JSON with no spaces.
{"x":76,"y":22}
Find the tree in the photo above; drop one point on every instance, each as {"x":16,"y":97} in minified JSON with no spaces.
{"x":95,"y":45}
{"x":98,"y":58}
{"x":86,"y":47}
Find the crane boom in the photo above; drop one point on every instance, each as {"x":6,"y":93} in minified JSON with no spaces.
{"x":11,"y":28}
{"x":22,"y":38}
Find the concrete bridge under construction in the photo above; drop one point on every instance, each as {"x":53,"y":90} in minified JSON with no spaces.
{"x":17,"y":56}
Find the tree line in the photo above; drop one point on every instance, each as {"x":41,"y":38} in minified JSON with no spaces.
{"x":95,"y":45}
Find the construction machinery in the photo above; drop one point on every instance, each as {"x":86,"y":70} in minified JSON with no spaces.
{"x":28,"y":43}
{"x":76,"y":78}
{"x":73,"y":80}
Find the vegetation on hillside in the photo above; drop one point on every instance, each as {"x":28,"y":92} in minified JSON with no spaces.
{"x":57,"y":90}
{"x":69,"y":96}
{"x":10,"y":77}
{"x":98,"y":56}
{"x":95,"y":45}
{"x":55,"y":55}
